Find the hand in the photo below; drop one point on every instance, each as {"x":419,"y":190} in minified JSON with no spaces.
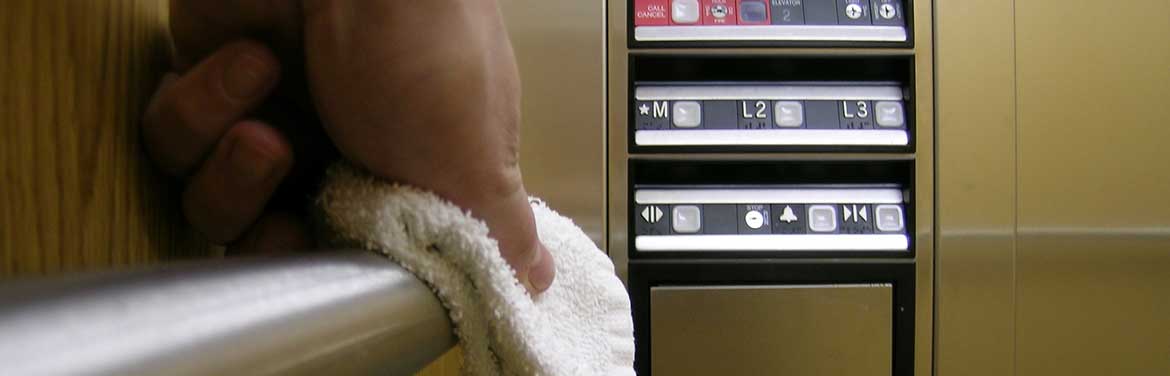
{"x":196,"y":128}
{"x":429,"y":101}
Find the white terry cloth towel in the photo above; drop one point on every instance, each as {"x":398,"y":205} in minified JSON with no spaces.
{"x":581,"y":325}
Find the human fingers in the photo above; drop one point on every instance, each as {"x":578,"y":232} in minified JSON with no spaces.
{"x":200,"y":27}
{"x":230,"y":190}
{"x":276,"y":232}
{"x":189,"y":114}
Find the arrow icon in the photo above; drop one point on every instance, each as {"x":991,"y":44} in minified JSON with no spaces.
{"x":856,"y":214}
{"x":652,"y":214}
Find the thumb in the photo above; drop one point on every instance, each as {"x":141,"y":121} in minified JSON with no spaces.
{"x":511,"y":223}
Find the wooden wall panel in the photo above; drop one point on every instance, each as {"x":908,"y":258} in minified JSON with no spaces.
{"x":76,"y":191}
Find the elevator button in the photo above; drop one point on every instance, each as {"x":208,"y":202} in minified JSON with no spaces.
{"x":686,"y":219}
{"x":719,"y":12}
{"x":889,"y":218}
{"x":753,"y":12}
{"x":684,"y":11}
{"x":890,"y":114}
{"x":687,"y":114}
{"x":754,"y":219}
{"x":789,"y":114}
{"x":887,"y":11}
{"x":853,"y":11}
{"x":822,"y":218}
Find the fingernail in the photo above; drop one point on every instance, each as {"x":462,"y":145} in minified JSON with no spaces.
{"x":246,"y":77}
{"x":251,"y":165}
{"x":543,"y":271}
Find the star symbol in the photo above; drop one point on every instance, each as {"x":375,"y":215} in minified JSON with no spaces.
{"x":645,"y":110}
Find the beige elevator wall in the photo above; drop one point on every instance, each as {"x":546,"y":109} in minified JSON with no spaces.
{"x":1053,"y":182}
{"x":560,"y":49}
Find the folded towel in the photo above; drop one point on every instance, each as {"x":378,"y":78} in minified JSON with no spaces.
{"x":580,"y":326}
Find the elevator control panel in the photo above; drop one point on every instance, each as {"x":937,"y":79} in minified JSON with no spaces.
{"x":769,"y":20}
{"x":779,"y":219}
{"x":740,"y":167}
{"x":775,"y":114}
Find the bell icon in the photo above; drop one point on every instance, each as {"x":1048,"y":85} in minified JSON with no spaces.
{"x":788,"y":216}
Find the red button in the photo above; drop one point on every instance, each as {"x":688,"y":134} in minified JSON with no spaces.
{"x":719,"y":12}
{"x":651,"y":12}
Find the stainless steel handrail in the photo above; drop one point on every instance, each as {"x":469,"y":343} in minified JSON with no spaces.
{"x":339,"y":312}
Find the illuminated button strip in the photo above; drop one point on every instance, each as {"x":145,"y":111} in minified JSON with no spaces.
{"x":829,"y":115}
{"x":769,"y":20}
{"x":786,"y":219}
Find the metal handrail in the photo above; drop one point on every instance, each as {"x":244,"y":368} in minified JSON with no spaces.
{"x":337,"y":312}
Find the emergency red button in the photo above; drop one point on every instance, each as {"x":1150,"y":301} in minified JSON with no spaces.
{"x":719,"y":12}
{"x":651,"y":12}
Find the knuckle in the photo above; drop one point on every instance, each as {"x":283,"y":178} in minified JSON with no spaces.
{"x":189,"y":121}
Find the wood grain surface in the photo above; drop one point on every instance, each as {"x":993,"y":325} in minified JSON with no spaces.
{"x":77,"y":192}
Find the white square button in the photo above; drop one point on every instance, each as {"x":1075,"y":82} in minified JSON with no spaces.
{"x":684,"y":11}
{"x":789,"y":114}
{"x":687,"y":114}
{"x":890,"y":114}
{"x":889,"y":218}
{"x":686,"y":219}
{"x":822,"y":218}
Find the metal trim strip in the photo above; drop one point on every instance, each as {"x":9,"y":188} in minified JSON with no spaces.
{"x":770,"y":33}
{"x":781,"y":137}
{"x":769,"y":196}
{"x":768,"y":92}
{"x":758,"y":243}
